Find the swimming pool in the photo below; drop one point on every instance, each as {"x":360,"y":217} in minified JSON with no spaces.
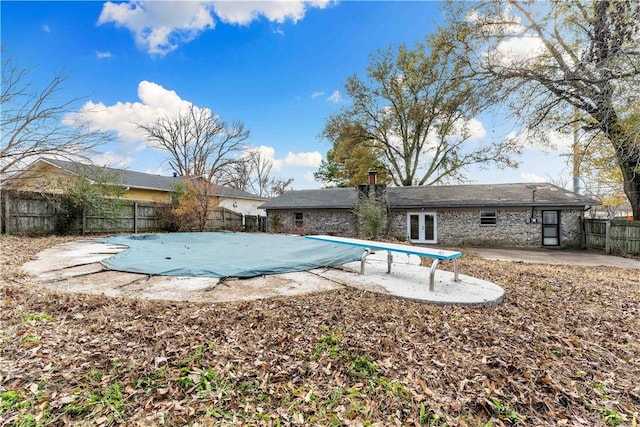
{"x":224,"y":254}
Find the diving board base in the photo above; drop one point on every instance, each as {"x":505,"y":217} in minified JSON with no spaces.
{"x":369,"y":246}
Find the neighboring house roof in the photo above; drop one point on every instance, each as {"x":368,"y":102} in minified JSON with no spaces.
{"x":142,"y":180}
{"x":492,"y":195}
{"x":122,"y":176}
{"x":326,"y":198}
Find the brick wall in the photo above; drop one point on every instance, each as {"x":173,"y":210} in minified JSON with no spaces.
{"x":337,"y":222}
{"x":455,"y":227}
{"x":461,"y":227}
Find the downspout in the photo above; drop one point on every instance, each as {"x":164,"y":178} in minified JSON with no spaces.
{"x":533,"y":207}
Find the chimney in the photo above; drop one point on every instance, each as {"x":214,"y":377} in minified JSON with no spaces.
{"x":372,"y":177}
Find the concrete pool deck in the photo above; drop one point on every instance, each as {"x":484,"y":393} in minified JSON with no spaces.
{"x":76,"y":267}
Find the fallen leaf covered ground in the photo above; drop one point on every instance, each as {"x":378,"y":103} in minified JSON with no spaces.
{"x":563,"y":349}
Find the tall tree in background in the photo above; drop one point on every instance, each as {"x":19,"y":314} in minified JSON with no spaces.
{"x":415,"y":112}
{"x":252,"y":172}
{"x":349,"y":162}
{"x":581,"y":55}
{"x":600,"y":170}
{"x":33,"y":123}
{"x":199,"y":143}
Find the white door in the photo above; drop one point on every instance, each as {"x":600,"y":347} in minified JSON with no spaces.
{"x":422,"y":227}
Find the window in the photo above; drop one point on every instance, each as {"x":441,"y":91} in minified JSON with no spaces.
{"x":488,"y":217}
{"x":297,"y":220}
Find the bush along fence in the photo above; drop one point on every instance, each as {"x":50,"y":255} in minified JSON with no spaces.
{"x":613,"y":236}
{"x":36,"y":213}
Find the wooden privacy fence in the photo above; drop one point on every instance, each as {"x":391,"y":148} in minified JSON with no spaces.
{"x":23,"y":212}
{"x":613,"y":237}
{"x":34,"y":213}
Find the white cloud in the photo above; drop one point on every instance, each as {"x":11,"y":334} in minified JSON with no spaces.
{"x":157,"y":171}
{"x":112,"y":159}
{"x":316,"y":94}
{"x":102,"y":55}
{"x":542,"y":140}
{"x":46,"y":28}
{"x":474,"y":128}
{"x":309,"y":159}
{"x":336,"y":96}
{"x":123,"y":117}
{"x":160,"y":27}
{"x":517,"y":44}
{"x":531,"y":177}
{"x":243,"y":12}
{"x":517,"y":49}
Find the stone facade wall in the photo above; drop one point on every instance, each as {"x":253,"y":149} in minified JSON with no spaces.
{"x":571,"y":234}
{"x":337,"y":222}
{"x":461,"y":227}
{"x":455,"y":227}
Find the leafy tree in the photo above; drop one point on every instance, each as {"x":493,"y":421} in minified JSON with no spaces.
{"x":371,"y":217}
{"x":582,"y":55}
{"x":600,"y":169}
{"x":199,"y":143}
{"x":414,"y":112}
{"x":349,"y":162}
{"x":33,"y":122}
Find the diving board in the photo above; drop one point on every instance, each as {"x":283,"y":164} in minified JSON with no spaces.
{"x":436,"y":254}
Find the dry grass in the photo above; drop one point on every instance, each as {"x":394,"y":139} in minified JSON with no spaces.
{"x":563,"y":349}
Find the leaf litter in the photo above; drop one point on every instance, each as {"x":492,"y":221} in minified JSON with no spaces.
{"x":563,"y":349}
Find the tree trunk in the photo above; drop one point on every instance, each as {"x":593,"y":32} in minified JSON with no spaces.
{"x":628,"y":156}
{"x":632,"y":184}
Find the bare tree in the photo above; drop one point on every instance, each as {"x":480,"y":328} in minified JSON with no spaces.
{"x":261,"y":167}
{"x":252,"y":173}
{"x":237,"y":175}
{"x":33,"y":122}
{"x":200,"y":144}
{"x":584,"y":58}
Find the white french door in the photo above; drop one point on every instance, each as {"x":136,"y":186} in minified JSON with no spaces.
{"x":422,"y":227}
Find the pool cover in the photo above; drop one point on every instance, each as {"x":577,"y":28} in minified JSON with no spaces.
{"x":224,"y":254}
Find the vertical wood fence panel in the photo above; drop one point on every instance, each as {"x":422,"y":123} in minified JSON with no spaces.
{"x":27,"y":213}
{"x":613,"y":237}
{"x":34,"y":213}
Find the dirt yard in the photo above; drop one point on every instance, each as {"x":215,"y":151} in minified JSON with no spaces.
{"x":563,"y":349}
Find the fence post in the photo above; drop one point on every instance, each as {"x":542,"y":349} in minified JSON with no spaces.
{"x":607,"y":237}
{"x":1,"y":211}
{"x":84,"y":220}
{"x":7,"y":213}
{"x":135,"y":217}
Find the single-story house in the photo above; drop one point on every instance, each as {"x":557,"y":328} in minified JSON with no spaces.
{"x":508,"y":215}
{"x":51,"y":175}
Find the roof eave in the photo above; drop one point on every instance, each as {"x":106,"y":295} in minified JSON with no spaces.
{"x":306,"y":207}
{"x":494,"y":204}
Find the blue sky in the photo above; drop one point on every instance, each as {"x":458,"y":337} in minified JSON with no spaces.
{"x":279,"y":67}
